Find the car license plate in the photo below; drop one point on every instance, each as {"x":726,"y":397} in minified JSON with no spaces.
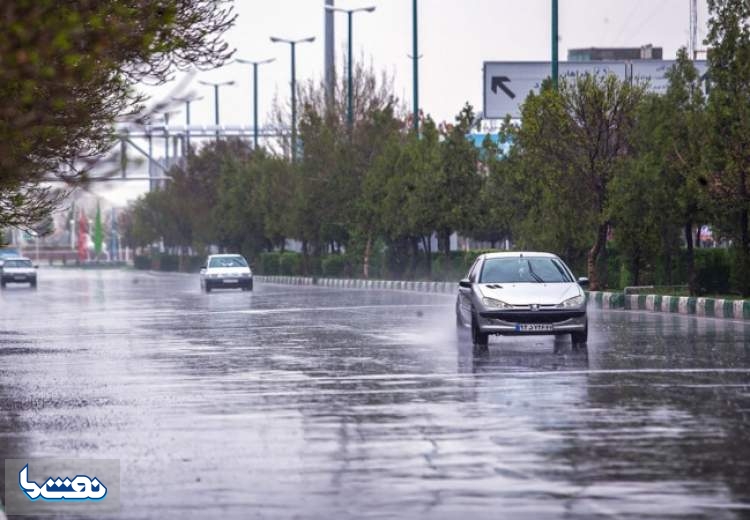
{"x":230,"y":280}
{"x":19,"y":277}
{"x":533,"y":327}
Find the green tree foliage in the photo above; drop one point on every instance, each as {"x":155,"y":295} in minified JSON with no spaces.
{"x":600,"y":171}
{"x":68,"y":70}
{"x":573,"y":142}
{"x":499,"y":195}
{"x":661,"y":193}
{"x":326,"y":213}
{"x":729,"y":127}
{"x":457,"y":184}
{"x":181,"y":214}
{"x":251,"y":211}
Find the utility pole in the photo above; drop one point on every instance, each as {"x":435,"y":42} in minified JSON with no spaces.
{"x":216,"y":99}
{"x":415,"y":65}
{"x":166,"y":138}
{"x":330,"y":55}
{"x":293,"y":45}
{"x":350,"y":61}
{"x":555,"y":72}
{"x":255,"y":65}
{"x":693,"y":43}
{"x":187,"y":100}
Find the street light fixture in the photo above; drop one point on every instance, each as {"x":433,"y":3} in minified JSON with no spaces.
{"x":350,"y":89}
{"x":255,"y":65}
{"x":187,"y":100}
{"x":216,"y":86}
{"x":293,"y":45}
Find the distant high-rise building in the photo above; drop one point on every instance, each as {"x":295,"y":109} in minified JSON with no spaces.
{"x":645,"y":52}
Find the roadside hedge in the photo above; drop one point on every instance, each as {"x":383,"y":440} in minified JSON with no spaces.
{"x":713,"y":267}
{"x":168,"y":262}
{"x":444,"y":267}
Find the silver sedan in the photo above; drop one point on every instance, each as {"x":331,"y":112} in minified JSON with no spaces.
{"x":521,"y":293}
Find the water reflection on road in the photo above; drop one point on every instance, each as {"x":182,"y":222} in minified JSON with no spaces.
{"x":327,"y":403}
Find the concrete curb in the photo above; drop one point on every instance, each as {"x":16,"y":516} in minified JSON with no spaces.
{"x":350,"y":283}
{"x":711,"y":307}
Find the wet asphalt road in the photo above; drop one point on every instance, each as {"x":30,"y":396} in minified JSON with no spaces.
{"x":322,"y":403}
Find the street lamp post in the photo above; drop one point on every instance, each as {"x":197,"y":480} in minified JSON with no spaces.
{"x":216,"y":86}
{"x":293,"y":45}
{"x":415,"y":65}
{"x":555,"y":73}
{"x":255,"y":65}
{"x":187,"y":100}
{"x":350,"y":87}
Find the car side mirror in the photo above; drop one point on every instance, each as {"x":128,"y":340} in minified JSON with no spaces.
{"x":465,"y":283}
{"x":36,"y":267}
{"x":583,"y":281}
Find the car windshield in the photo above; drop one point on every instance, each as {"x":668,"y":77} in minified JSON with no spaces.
{"x":227,"y":261}
{"x":17,"y":263}
{"x":524,"y":270}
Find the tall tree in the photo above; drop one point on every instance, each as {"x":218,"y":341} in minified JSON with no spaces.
{"x":729,"y":124}
{"x":459,"y":175}
{"x":499,"y":195}
{"x":573,"y":141}
{"x":670,"y":144}
{"x":68,"y":70}
{"x":334,"y":158}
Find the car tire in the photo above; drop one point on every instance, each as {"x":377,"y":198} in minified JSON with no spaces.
{"x":207,"y":287}
{"x":33,"y":284}
{"x":2,"y":284}
{"x":460,"y":327}
{"x":479,"y":338}
{"x":579,"y":339}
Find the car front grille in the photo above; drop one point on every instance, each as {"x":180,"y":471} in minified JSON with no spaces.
{"x":533,"y":317}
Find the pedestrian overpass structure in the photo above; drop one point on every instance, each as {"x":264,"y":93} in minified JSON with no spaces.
{"x":147,"y":152}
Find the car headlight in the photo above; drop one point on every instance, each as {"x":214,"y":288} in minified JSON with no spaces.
{"x":246,"y":275}
{"x":213,"y":275}
{"x":495,"y":304}
{"x":574,"y":302}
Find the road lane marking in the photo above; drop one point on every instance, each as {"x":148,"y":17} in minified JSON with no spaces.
{"x":323,"y":309}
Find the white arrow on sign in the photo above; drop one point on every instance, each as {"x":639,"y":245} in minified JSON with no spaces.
{"x":507,"y":83}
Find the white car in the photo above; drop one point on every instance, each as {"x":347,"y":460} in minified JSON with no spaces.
{"x":17,"y":270}
{"x":226,"y":272}
{"x":521,"y":293}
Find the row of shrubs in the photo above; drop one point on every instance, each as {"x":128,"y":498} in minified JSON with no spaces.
{"x":169,"y":262}
{"x":713,"y":268}
{"x":447,"y":268}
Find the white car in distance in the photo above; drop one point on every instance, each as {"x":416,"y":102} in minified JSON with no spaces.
{"x":17,"y":270}
{"x":229,"y":271}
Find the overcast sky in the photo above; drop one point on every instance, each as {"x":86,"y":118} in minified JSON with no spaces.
{"x":455,"y":38}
